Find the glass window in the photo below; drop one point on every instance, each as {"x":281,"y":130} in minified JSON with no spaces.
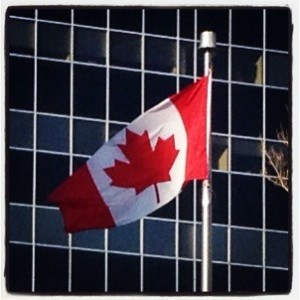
{"x":246,"y":156}
{"x":20,"y":176}
{"x":186,"y":58}
{"x":114,"y":129}
{"x":165,"y":268}
{"x":26,"y":12}
{"x":20,"y":221}
{"x":125,"y":238}
{"x":186,"y":202}
{"x":88,"y":136}
{"x":126,"y":19}
{"x":51,"y":270}
{"x":278,"y":70}
{"x":279,"y":38}
{"x":159,"y":237}
{"x":87,"y":271}
{"x":219,"y":277}
{"x":247,"y":27}
{"x":53,"y":133}
{"x":277,"y":249}
{"x":185,"y":276}
{"x":246,"y":201}
{"x":160,"y":54}
{"x":220,"y":61}
{"x":219,"y":107}
{"x":220,"y":197}
{"x":21,"y":36}
{"x":89,"y":45}
{"x":277,"y":112}
{"x":124,"y":273}
{"x":219,"y":153}
{"x":19,"y":259}
{"x":46,"y":219}
{"x":274,"y":277}
{"x":53,"y":167}
{"x":167,"y":211}
{"x":92,"y":17}
{"x":215,"y":20}
{"x":158,"y":88}
{"x":246,"y":110}
{"x":55,"y":14}
{"x":125,"y":95}
{"x":20,"y":129}
{"x":92,"y":239}
{"x":89,"y":91}
{"x":53,"y":87}
{"x":20,"y":83}
{"x":247,"y":66}
{"x":246,"y":279}
{"x":240,"y":250}
{"x":125,"y":50}
{"x":186,"y":240}
{"x":277,"y":205}
{"x":54,"y":41}
{"x":161,"y":21}
{"x":187,"y":23}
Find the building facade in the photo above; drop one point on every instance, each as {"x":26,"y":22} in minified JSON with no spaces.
{"x":76,"y":76}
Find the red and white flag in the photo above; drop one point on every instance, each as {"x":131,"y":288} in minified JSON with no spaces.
{"x":142,"y":167}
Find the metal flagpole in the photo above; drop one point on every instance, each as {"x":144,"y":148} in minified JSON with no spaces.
{"x":207,"y":44}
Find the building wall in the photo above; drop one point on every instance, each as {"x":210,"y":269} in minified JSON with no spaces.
{"x":75,"y":77}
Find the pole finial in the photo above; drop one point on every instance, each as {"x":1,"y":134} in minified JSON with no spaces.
{"x":207,"y":40}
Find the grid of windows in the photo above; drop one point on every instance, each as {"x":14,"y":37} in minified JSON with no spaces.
{"x":78,"y":76}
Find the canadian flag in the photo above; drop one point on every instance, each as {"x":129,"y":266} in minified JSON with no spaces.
{"x":140,"y":169}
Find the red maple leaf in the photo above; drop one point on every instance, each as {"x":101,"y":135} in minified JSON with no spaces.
{"x":146,"y":166}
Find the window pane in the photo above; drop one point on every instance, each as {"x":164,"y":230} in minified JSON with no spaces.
{"x":51,"y":171}
{"x":92,"y":17}
{"x":127,"y":19}
{"x":246,"y":156}
{"x":241,"y":250}
{"x":87,"y":271}
{"x":51,"y":270}
{"x":246,"y":201}
{"x":21,"y":12}
{"x":125,"y":95}
{"x":277,"y":249}
{"x":89,"y":45}
{"x":215,"y":20}
{"x":20,"y":129}
{"x":89,"y":91}
{"x":124,"y":273}
{"x":20,"y":221}
{"x":247,"y":66}
{"x":114,"y":129}
{"x":20,"y":268}
{"x":20,"y":176}
{"x":125,"y":50}
{"x":277,"y":112}
{"x":186,"y":240}
{"x":63,"y":15}
{"x":187,"y":23}
{"x":88,"y":136}
{"x":277,"y":205}
{"x":159,"y":237}
{"x":21,"y":36}
{"x":160,"y":54}
{"x":279,"y":38}
{"x":20,"y":80}
{"x":158,"y":88}
{"x":219,"y":153}
{"x":46,"y":219}
{"x":161,"y":21}
{"x":125,"y":238}
{"x":186,"y":202}
{"x":53,"y":133}
{"x":165,"y":282}
{"x":277,"y":69}
{"x":186,"y":58}
{"x":167,"y":211}
{"x":246,"y":279}
{"x":247,"y":110}
{"x":53,"y":87}
{"x":54,"y":41}
{"x":92,"y":239}
{"x":278,"y":281}
{"x":247,"y":27}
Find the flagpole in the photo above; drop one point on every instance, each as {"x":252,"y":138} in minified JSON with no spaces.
{"x":207,"y":44}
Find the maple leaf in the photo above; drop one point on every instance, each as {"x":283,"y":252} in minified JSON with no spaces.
{"x":146,"y":166}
